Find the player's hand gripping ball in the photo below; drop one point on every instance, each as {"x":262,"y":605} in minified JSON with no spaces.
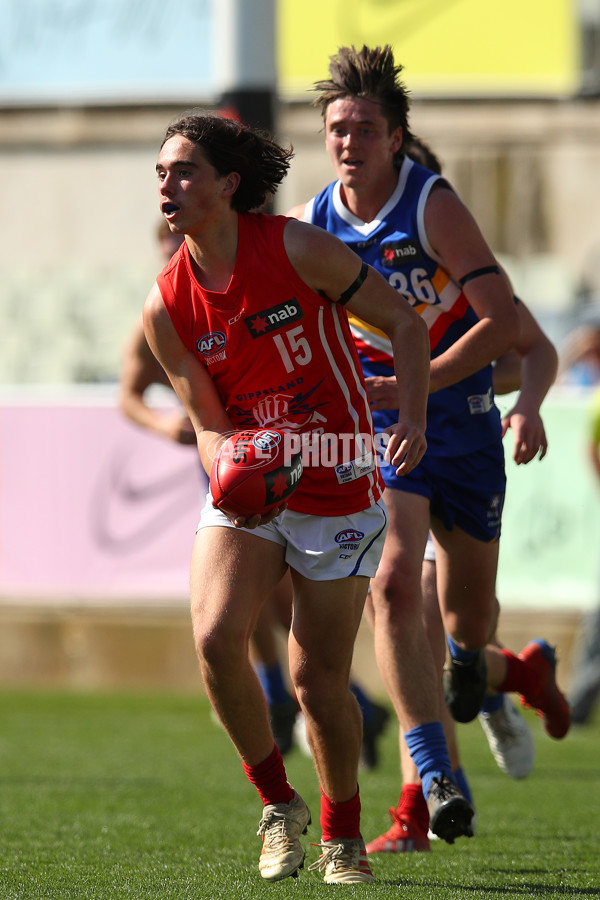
{"x":254,"y":472}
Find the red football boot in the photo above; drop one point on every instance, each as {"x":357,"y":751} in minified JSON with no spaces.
{"x":546,"y":697}
{"x":405,"y":836}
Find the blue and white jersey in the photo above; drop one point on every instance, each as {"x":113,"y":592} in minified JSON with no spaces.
{"x":460,"y":418}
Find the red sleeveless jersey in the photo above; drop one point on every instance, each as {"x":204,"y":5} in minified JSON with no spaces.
{"x":282,"y":356}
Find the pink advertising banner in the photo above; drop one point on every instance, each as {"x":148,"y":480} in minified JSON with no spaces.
{"x":92,"y":507}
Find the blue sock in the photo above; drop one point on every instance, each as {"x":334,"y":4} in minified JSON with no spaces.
{"x":459,"y":654}
{"x":272,"y":683}
{"x":492,"y":703}
{"x":427,"y":747}
{"x":460,"y":780}
{"x":366,"y":707}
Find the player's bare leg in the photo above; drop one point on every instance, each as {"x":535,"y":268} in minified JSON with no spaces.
{"x":508,"y":735}
{"x":410,"y":818}
{"x":407,"y":666}
{"x":320,"y":670}
{"x":269,"y":662}
{"x":466,"y":582}
{"x":232,"y":572}
{"x":403,"y":654}
{"x":436,"y":636}
{"x":324,"y":626}
{"x":531,"y":673}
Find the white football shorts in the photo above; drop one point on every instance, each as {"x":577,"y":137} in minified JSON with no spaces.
{"x":429,"y":549}
{"x":320,"y":547}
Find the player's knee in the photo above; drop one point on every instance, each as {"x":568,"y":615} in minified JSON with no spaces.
{"x":319,"y":696}
{"x":396,"y":594}
{"x":217,"y":646}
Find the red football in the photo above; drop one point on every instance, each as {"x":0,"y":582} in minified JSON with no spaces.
{"x":255,"y":471}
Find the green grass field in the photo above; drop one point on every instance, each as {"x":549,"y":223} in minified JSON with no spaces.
{"x":142,"y":796}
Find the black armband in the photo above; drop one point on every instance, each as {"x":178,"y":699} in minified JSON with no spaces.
{"x":477,"y":273}
{"x":349,"y":292}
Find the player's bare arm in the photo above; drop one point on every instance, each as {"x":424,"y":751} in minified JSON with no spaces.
{"x":456,"y":239}
{"x":539,"y":365}
{"x":507,"y":373}
{"x":539,"y":359}
{"x":195,"y":389}
{"x":329,"y":266}
{"x":140,"y":370}
{"x":189,"y":379}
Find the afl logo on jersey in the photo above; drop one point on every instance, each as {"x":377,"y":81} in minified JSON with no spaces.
{"x":211,"y":343}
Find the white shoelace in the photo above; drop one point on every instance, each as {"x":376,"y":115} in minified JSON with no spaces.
{"x":331,"y":854}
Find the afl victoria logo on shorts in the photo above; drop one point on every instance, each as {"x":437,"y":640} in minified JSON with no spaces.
{"x":349,"y":539}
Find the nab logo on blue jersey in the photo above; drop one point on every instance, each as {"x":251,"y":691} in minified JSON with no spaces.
{"x":210,"y":343}
{"x":397,"y":253}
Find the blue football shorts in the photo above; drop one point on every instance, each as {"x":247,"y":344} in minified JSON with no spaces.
{"x":467,"y":491}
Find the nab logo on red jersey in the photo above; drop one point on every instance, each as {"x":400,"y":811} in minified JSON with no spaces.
{"x":210,"y":343}
{"x":274,"y":317}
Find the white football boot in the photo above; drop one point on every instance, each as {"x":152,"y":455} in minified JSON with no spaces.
{"x":280,"y":828}
{"x":510,"y":739}
{"x":343,"y":861}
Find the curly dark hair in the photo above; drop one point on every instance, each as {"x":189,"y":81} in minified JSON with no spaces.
{"x":372,"y":74}
{"x":231,"y":146}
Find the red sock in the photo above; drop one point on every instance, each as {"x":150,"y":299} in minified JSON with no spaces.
{"x":412,"y":805}
{"x":340,"y":820}
{"x":519,"y":679}
{"x":270,"y":779}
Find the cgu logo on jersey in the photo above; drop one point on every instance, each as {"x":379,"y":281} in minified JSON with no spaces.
{"x":274,"y":317}
{"x":394,"y":253}
{"x":349,"y":539}
{"x":211,"y":343}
